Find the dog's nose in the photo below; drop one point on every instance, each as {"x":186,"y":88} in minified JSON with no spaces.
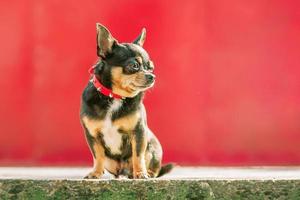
{"x":150,"y":78}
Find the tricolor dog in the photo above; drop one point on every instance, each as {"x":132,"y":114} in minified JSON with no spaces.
{"x":112,"y":112}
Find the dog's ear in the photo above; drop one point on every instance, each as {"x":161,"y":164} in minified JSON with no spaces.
{"x":141,"y":38}
{"x":105,"y":41}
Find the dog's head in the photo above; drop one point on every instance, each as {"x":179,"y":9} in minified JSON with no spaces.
{"x":126,"y":65}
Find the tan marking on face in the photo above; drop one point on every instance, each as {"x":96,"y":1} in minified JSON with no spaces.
{"x":139,"y":59}
{"x":124,"y":84}
{"x":128,"y":122}
{"x":151,"y":64}
{"x":94,"y":126}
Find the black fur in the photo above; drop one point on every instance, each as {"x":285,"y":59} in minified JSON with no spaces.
{"x":139,"y":137}
{"x":90,"y":140}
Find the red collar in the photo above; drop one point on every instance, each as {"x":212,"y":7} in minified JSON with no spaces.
{"x":101,"y":88}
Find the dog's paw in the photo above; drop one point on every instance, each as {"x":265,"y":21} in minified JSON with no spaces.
{"x":141,"y":175}
{"x":93,"y":175}
{"x":151,"y":174}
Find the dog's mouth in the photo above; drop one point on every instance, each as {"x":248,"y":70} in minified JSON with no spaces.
{"x":141,"y":87}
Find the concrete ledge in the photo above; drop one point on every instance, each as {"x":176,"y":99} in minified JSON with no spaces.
{"x":149,"y":189}
{"x":237,"y":185}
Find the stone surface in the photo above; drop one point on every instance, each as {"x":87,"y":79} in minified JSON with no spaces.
{"x":182,"y":183}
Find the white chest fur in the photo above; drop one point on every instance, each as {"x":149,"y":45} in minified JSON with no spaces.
{"x":112,"y":138}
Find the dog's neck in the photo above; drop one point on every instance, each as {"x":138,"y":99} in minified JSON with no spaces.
{"x":97,"y":73}
{"x":103,"y":74}
{"x":103,"y":103}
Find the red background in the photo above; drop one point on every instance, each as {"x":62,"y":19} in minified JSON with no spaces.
{"x":228,"y":78}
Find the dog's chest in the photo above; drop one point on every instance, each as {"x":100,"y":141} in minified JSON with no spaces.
{"x":111,"y":136}
{"x":112,"y":131}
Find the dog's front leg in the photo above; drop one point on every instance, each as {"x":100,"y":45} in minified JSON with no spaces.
{"x":98,"y":156}
{"x":139,"y":145}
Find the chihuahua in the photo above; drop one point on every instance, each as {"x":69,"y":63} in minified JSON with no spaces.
{"x":112,"y":112}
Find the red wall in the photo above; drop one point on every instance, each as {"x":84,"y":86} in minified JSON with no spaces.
{"x":227,"y":92}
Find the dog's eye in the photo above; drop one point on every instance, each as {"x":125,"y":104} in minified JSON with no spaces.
{"x":134,"y":66}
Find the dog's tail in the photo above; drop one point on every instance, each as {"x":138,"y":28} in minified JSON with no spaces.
{"x":165,"y":169}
